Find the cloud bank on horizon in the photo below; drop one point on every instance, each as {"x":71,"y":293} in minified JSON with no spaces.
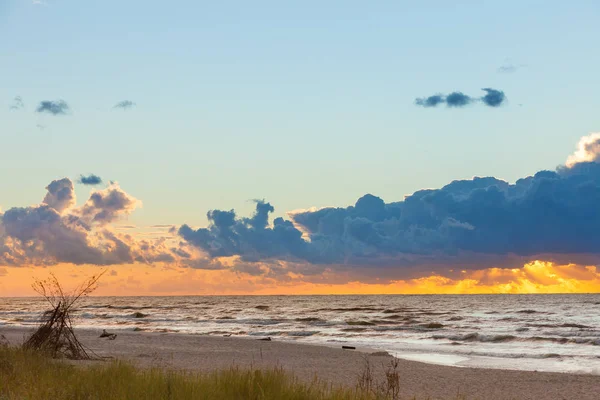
{"x":492,"y":98}
{"x":482,"y":222}
{"x":477,"y":223}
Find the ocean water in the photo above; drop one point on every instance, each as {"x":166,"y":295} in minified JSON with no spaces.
{"x":526,"y":332}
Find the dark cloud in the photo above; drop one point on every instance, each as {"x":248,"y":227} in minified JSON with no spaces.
{"x":17,"y":103}
{"x":493,"y":97}
{"x":90,"y":180}
{"x":250,"y":238}
{"x":473,"y":223}
{"x":431,"y":101}
{"x":124,"y":105}
{"x":458,"y":99}
{"x":57,"y":107}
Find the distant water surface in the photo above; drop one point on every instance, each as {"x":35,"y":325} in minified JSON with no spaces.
{"x":529,"y":332}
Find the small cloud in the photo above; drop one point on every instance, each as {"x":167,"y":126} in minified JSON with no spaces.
{"x":509,"y":68}
{"x":126,"y":227}
{"x":57,"y":107}
{"x":431,"y":101}
{"x":90,"y":180}
{"x":458,"y":99}
{"x":40,"y":127}
{"x":493,"y":97}
{"x":125,"y":105}
{"x":17,"y":103}
{"x":39,"y":3}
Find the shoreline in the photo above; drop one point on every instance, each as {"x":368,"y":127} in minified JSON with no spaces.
{"x":424,"y":355}
{"x":202,"y":353}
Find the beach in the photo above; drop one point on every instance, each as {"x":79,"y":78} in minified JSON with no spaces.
{"x":549,"y":333}
{"x":201,"y":353}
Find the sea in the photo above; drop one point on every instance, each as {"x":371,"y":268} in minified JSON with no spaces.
{"x":542,"y":332}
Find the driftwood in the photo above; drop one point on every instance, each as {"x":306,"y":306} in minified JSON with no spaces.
{"x":349,"y":347}
{"x":110,"y":336}
{"x":55,"y":335}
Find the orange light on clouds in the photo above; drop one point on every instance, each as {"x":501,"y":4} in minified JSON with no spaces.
{"x":144,"y":280}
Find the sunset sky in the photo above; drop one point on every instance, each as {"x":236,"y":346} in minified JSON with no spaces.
{"x":300,"y":147}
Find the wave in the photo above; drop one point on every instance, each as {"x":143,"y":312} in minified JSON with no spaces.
{"x":360,"y":323}
{"x":301,"y":333}
{"x":532,"y":312}
{"x":347,"y":309}
{"x":309,"y":319}
{"x":567,"y":325}
{"x":476,"y":337}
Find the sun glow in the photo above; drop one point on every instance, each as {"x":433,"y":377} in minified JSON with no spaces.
{"x":137,"y":280}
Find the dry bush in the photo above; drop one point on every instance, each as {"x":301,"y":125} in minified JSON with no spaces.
{"x":55,"y":335}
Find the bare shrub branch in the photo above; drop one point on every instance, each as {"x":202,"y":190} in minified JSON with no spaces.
{"x":55,"y":335}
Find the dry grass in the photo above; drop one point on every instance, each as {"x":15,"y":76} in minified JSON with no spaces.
{"x":31,"y":375}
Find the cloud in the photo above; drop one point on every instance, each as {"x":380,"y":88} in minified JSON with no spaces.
{"x":61,"y":195}
{"x":250,"y":238}
{"x":17,"y":103}
{"x":588,"y":149}
{"x":431,"y":101}
{"x":125,"y":105}
{"x":56,"y":231}
{"x":57,"y":107}
{"x":458,"y":99}
{"x":476,"y":223}
{"x":509,"y":68}
{"x":492,"y":98}
{"x":109,"y":205}
{"x":90,"y":180}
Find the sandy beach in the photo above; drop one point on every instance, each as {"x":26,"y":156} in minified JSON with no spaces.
{"x":334,"y":365}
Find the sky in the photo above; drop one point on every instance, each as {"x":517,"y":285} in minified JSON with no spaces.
{"x":130,"y":130}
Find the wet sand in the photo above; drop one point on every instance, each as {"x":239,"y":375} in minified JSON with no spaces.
{"x":334,"y":365}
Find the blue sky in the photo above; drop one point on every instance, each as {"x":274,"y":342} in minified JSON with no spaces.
{"x":303,"y":103}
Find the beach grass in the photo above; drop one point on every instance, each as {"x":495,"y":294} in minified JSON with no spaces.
{"x":31,"y":375}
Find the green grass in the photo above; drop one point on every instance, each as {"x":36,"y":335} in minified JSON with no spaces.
{"x":26,"y":375}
